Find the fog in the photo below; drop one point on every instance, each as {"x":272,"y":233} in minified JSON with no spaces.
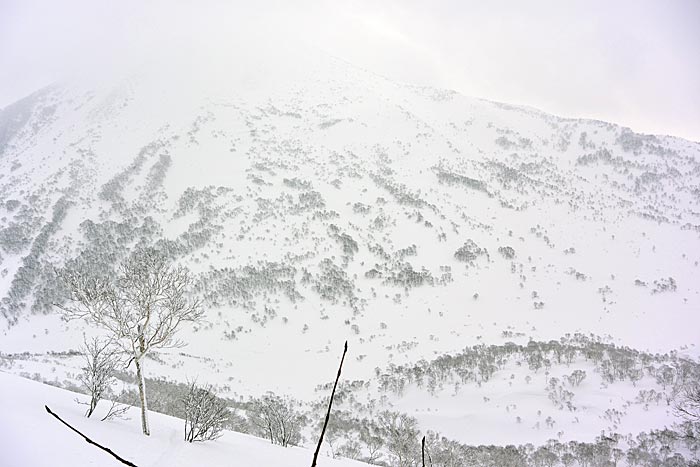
{"x":631,"y":62}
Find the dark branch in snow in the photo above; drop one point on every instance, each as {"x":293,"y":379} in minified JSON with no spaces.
{"x":89,"y":441}
{"x":330,"y":404}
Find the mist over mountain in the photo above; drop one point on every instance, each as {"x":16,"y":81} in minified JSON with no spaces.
{"x":316,"y":202}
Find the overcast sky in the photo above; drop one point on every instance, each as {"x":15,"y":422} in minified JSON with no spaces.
{"x":633,"y":62}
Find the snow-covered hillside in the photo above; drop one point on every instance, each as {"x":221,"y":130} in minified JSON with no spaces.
{"x":316,"y":202}
{"x":32,"y":437}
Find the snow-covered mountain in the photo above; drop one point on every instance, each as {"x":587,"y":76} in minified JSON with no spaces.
{"x":317,"y":202}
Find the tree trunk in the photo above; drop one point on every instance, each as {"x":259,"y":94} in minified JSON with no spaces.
{"x":142,"y":396}
{"x":93,"y":405}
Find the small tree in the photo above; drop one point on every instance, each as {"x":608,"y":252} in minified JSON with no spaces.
{"x":371,"y":437}
{"x":468,"y":252}
{"x":101,"y":361}
{"x":142,"y":307}
{"x":205,"y":414}
{"x":576,"y":377}
{"x":401,"y":434}
{"x":688,"y":406}
{"x":507,"y":251}
{"x":277,"y":419}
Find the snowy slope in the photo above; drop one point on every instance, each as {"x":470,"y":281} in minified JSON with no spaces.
{"x":31,"y":437}
{"x":317,"y":202}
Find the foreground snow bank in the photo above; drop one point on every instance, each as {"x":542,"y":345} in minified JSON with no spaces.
{"x":30,"y":437}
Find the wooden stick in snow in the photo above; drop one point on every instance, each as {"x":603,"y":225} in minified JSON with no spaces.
{"x":422,"y":450}
{"x":89,"y":441}
{"x":330,"y":403}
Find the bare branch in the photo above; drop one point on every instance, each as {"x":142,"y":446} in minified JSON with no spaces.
{"x":89,"y":441}
{"x":330,"y":404}
{"x":116,"y":410}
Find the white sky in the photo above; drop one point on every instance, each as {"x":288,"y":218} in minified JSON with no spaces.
{"x":633,"y":62}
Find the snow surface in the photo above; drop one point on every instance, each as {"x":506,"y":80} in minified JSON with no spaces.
{"x":29,"y":436}
{"x":589,"y":208}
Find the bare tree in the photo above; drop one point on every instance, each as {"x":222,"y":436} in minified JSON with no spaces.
{"x":141,"y":308}
{"x":401,"y":434}
{"x":371,"y":437}
{"x":101,"y":361}
{"x":277,"y":419}
{"x":205,"y":414}
{"x":689,"y":405}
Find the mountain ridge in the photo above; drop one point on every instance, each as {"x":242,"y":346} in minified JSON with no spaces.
{"x":319,"y":203}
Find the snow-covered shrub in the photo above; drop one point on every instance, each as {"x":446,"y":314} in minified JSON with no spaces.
{"x":97,"y":377}
{"x":507,"y":252}
{"x":205,"y":414}
{"x":276,"y":418}
{"x":469,"y":251}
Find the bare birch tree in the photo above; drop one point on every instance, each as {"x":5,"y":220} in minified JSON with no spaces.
{"x":141,"y":308}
